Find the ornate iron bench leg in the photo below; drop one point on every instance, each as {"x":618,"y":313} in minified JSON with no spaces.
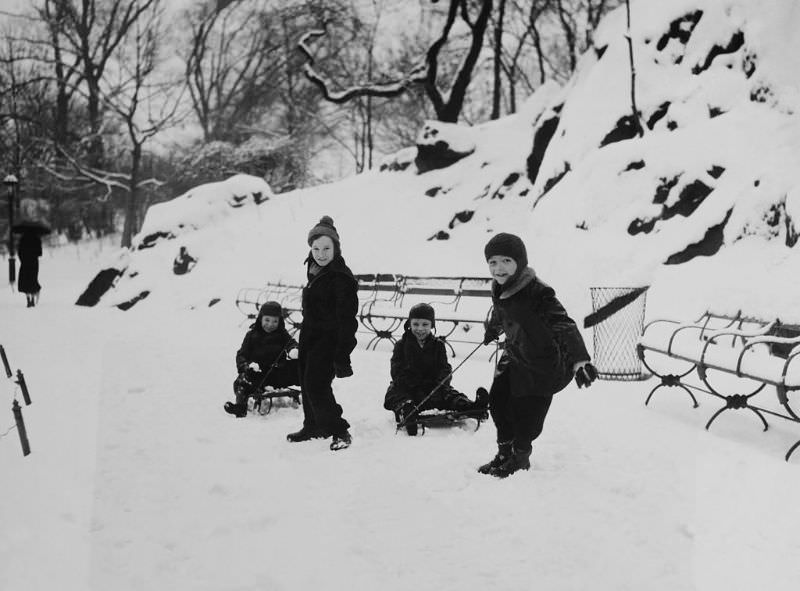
{"x":669,"y":380}
{"x":738,"y":401}
{"x":791,"y":450}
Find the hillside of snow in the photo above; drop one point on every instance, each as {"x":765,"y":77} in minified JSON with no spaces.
{"x":706,"y":197}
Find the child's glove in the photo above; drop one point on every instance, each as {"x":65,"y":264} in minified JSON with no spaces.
{"x":292,"y":353}
{"x":585,"y":374}
{"x":342,"y":370}
{"x":253,"y":366}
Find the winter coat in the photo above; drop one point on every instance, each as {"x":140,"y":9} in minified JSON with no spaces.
{"x":542,"y":342}
{"x":29,"y":249}
{"x":330,"y":305}
{"x":262,"y":347}
{"x":414,"y":367}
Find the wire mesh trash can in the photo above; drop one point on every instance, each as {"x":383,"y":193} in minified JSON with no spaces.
{"x":618,"y":321}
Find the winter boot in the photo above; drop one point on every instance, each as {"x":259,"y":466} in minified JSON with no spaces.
{"x":341,"y":441}
{"x":481,"y":399}
{"x":400,"y":414}
{"x":519,"y":460}
{"x":504,"y":451}
{"x":235,"y":409}
{"x":306,"y":433}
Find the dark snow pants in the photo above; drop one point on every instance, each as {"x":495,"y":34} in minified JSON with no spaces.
{"x":320,"y":409}
{"x":518,"y":419}
{"x":445,"y":398}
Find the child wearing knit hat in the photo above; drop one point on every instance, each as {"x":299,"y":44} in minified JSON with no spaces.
{"x":266,"y":357}
{"x":543,"y":351}
{"x":327,"y":336}
{"x":419,"y":363}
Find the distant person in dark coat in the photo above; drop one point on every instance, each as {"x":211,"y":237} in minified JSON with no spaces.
{"x":418,"y":365}
{"x":267,"y":357}
{"x":327,"y":336}
{"x":29,"y":250}
{"x":543,"y":351}
{"x":184,"y":262}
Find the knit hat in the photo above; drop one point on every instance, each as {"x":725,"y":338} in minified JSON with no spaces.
{"x":422,"y":311}
{"x":325,"y":227}
{"x":271,"y":309}
{"x":508,"y":245}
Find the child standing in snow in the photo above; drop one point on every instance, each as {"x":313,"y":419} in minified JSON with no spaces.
{"x":267,"y":357}
{"x":543,"y":351}
{"x":419,"y":363}
{"x":327,"y":336}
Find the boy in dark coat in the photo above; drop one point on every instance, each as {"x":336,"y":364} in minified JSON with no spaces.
{"x":267,"y":357}
{"x":327,"y":336}
{"x":419,"y":363}
{"x":543,"y":351}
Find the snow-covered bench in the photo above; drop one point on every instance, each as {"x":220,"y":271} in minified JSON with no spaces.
{"x":757,"y":352}
{"x":462,"y":304}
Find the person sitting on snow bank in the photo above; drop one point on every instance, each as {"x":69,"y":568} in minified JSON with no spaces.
{"x":184,"y":262}
{"x":543,"y":351}
{"x":267,"y":357}
{"x":419,"y":363}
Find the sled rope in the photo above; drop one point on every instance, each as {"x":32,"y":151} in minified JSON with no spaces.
{"x":415,"y":410}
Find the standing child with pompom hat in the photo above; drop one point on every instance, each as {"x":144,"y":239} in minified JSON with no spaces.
{"x":543,"y":351}
{"x":327,"y":336}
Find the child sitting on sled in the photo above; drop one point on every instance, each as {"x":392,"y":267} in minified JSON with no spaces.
{"x":419,"y":364}
{"x":267,"y":357}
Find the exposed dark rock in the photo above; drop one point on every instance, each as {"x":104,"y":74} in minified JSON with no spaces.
{"x":690,"y":199}
{"x":511,"y":179}
{"x":749,"y":64}
{"x":436,"y":156}
{"x":638,"y":226}
{"x":735,"y":44}
{"x":760,"y":94}
{"x":582,"y":225}
{"x":680,"y":29}
{"x":708,"y":246}
{"x":98,"y":286}
{"x":150,"y":240}
{"x":716,"y":171}
{"x":778,"y":218}
{"x":672,"y":125}
{"x":213,"y":301}
{"x":541,"y":140}
{"x":658,"y":114}
{"x":132,"y":302}
{"x":553,"y":181}
{"x":625,"y":129}
{"x":599,"y":51}
{"x":664,"y":187}
{"x":461,"y":217}
{"x":433,"y":191}
{"x":524,"y":192}
{"x":714,"y":112}
{"x":440,"y":235}
{"x":634,"y":165}
{"x":507,"y":184}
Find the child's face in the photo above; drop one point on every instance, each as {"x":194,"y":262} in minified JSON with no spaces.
{"x":269,"y":323}
{"x":501,"y":267}
{"x":420,"y":327}
{"x":322,"y":250}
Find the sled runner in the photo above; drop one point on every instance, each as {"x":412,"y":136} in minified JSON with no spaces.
{"x":443,"y":418}
{"x":262,"y":400}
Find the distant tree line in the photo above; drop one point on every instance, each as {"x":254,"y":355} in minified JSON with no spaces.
{"x":107,"y":106}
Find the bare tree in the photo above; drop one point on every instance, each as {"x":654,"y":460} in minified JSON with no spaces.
{"x":447,"y":108}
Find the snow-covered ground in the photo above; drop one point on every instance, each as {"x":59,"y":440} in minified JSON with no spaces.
{"x":139,"y":480}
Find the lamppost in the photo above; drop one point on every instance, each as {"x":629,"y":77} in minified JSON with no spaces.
{"x":11,"y":182}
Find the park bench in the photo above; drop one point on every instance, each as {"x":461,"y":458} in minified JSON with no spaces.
{"x":462,"y":305}
{"x":758,"y":354}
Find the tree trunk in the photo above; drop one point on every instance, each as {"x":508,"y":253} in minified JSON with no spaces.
{"x":131,"y":222}
{"x":497,"y":91}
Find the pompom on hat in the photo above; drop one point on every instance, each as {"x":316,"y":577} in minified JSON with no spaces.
{"x":508,"y":245}
{"x":325,"y":227}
